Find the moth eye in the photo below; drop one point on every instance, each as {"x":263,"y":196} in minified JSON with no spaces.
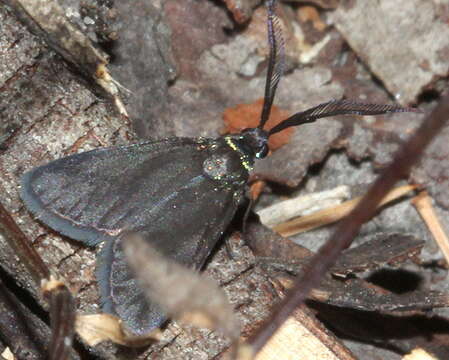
{"x":263,"y":152}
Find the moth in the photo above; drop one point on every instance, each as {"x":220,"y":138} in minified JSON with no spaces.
{"x":179,"y":193}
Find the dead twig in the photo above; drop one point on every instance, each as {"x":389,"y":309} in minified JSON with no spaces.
{"x":58,"y":295}
{"x":423,"y":204}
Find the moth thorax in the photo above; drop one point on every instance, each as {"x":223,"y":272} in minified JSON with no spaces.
{"x":225,"y":165}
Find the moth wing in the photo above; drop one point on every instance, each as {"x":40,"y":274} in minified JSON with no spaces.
{"x":157,"y":189}
{"x":121,"y":295}
{"x":186,"y":236}
{"x":91,"y":196}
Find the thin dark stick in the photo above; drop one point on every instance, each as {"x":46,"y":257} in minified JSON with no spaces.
{"x":22,"y":332}
{"x":62,"y":306}
{"x":348,"y":228}
{"x":22,"y":247}
{"x":62,"y":316}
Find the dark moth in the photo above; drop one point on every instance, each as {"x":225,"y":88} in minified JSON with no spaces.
{"x":179,"y":193}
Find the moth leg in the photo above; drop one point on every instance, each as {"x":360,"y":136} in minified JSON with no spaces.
{"x":247,"y":213}
{"x":231,"y":253}
{"x":256,"y":185}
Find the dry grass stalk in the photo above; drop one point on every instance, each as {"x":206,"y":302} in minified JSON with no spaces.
{"x":334,"y":214}
{"x":423,"y":204}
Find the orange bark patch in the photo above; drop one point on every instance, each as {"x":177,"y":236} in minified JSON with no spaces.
{"x":245,"y":116}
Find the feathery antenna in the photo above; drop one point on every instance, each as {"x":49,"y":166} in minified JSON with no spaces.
{"x":338,"y":107}
{"x":276,"y":61}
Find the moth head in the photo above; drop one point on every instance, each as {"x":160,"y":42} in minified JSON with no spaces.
{"x":256,"y":140}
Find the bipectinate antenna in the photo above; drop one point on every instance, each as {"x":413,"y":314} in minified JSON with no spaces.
{"x":276,"y":61}
{"x":337,"y":107}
